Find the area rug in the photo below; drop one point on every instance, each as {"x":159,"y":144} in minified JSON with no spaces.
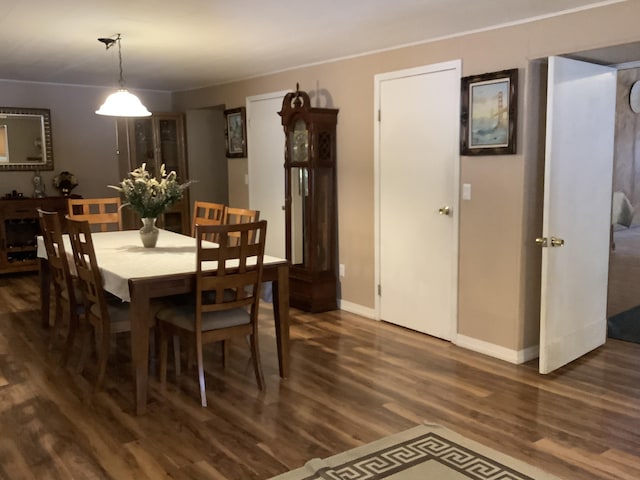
{"x":425,"y":452}
{"x":625,"y":325}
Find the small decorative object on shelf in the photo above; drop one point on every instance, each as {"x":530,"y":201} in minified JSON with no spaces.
{"x":64,"y":182}
{"x":149,"y":197}
{"x":38,"y":186}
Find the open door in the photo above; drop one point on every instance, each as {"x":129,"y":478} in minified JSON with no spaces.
{"x":265,"y":140}
{"x":581,"y":101}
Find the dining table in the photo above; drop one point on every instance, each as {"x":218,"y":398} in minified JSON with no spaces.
{"x":137,"y":275}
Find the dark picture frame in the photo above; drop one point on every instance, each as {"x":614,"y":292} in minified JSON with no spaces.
{"x":489,"y":112}
{"x":235,"y":132}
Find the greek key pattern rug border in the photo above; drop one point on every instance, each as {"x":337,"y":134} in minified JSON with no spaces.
{"x":424,"y":448}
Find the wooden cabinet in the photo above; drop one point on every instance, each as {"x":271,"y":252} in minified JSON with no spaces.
{"x":19,"y":226}
{"x":156,"y":140}
{"x":310,"y":202}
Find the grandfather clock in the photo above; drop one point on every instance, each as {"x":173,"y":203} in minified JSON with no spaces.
{"x":310,"y":202}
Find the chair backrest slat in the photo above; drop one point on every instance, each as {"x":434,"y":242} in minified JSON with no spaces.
{"x":102,"y":212}
{"x":207,"y":213}
{"x":89,"y":275}
{"x":237,"y":268}
{"x":234,"y":216}
{"x":51,"y":226}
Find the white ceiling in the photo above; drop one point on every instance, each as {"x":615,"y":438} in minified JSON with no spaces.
{"x":178,"y":45}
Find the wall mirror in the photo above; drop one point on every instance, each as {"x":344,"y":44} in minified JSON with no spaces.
{"x":25,"y":139}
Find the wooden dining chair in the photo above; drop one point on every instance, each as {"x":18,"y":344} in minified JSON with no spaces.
{"x":102,"y":213}
{"x":102,"y":316}
{"x":206,"y":213}
{"x":226,"y":299}
{"x":234,"y":216}
{"x":68,"y":302}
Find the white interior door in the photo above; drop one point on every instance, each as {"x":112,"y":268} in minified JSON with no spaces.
{"x":577,"y":209}
{"x":265,"y":144}
{"x":417,"y":175}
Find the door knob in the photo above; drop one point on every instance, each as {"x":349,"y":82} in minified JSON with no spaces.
{"x":557,"y":242}
{"x":445,"y":211}
{"x":542,"y":241}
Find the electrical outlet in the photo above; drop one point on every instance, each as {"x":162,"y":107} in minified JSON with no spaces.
{"x":342,"y":269}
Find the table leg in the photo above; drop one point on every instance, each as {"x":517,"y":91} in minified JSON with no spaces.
{"x":45,"y":291}
{"x":281,"y":317}
{"x":138,"y":313}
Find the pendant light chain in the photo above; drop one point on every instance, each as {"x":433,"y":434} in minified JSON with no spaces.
{"x":120,"y":62}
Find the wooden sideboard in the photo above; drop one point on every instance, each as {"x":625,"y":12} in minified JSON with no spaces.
{"x":19,"y":226}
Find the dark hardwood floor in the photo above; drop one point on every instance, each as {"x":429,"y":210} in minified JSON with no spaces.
{"x":353,"y":380}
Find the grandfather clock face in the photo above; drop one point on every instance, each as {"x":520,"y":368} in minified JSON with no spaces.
{"x":300,"y":142}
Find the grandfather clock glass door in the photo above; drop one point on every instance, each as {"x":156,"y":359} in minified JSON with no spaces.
{"x":310,"y":202}
{"x":299,"y":193}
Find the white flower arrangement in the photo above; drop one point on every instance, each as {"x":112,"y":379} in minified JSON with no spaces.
{"x":150,"y":196}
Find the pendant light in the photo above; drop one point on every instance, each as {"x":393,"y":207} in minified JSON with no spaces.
{"x":121,"y":103}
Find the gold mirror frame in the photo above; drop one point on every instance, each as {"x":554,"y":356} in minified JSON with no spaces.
{"x":46,"y":162}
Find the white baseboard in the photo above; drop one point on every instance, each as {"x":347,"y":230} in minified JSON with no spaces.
{"x":512,"y":356}
{"x":357,"y":309}
{"x":496,"y":351}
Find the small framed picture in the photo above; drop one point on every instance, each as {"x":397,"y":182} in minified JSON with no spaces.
{"x":489,"y":113}
{"x":236,"y":132}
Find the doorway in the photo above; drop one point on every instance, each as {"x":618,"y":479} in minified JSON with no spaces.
{"x":623,"y":301}
{"x":417,"y":174}
{"x":265,"y":143}
{"x":206,"y":154}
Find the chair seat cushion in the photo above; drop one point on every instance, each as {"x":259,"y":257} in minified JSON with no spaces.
{"x":118,"y":311}
{"x":77,"y":294}
{"x":184,"y":316}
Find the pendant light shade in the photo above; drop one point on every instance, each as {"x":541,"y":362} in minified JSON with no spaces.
{"x":121,"y":103}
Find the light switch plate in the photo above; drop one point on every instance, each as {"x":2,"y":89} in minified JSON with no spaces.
{"x":466,"y":191}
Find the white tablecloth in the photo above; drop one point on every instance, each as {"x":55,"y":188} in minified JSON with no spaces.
{"x":121,"y":257}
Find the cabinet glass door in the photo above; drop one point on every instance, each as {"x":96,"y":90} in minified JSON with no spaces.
{"x":169,"y":148}
{"x":143,"y":151}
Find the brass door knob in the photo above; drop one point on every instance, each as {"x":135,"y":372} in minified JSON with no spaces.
{"x":557,"y":242}
{"x":542,"y":241}
{"x":445,"y":211}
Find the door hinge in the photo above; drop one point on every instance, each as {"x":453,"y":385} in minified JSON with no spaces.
{"x":379,"y":290}
{"x":379,"y":115}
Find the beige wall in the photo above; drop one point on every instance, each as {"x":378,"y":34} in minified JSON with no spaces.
{"x":499,"y":264}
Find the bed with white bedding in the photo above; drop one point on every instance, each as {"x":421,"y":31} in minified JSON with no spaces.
{"x":624,"y":260}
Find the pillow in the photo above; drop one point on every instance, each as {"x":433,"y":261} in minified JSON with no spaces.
{"x":621,"y":209}
{"x":635,"y":220}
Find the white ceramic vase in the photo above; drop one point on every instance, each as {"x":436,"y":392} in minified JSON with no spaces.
{"x":149,"y":232}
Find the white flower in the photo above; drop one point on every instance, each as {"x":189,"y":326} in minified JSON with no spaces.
{"x":150,"y":196}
